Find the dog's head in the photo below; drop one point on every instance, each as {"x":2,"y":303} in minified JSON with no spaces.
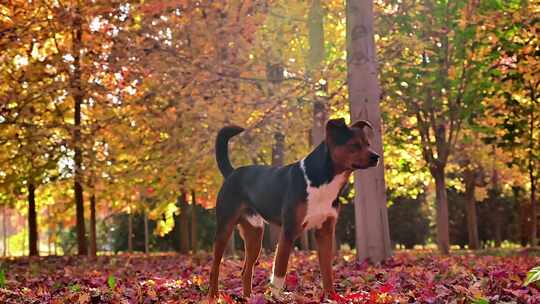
{"x":350,"y":146}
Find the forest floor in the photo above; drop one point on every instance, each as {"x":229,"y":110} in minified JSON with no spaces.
{"x":409,"y":277}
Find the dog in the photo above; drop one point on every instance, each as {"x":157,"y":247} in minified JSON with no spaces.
{"x":299,"y":196}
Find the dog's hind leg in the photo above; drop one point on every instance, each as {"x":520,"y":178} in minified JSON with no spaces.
{"x":251,"y":230}
{"x":228,"y":211}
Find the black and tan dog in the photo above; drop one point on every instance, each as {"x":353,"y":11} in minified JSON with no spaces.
{"x":299,"y":196}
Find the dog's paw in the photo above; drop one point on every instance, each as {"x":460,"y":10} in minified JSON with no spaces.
{"x":280,"y":296}
{"x":209,"y":300}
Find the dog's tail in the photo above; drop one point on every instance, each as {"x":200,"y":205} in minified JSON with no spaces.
{"x":222,"y":154}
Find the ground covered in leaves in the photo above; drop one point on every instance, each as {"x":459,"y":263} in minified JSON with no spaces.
{"x":409,"y":277}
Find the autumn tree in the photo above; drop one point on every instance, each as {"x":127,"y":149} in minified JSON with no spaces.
{"x":516,"y":101}
{"x":435,"y":78}
{"x":31,"y":112}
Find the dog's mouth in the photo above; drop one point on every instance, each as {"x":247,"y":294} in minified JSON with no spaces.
{"x":365,"y":166}
{"x":359,"y":166}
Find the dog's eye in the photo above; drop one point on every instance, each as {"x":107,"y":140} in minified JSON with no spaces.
{"x":355,"y":146}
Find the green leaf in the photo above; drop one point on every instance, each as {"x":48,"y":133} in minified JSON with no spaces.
{"x":111,"y":281}
{"x":2,"y":278}
{"x":74,"y":288}
{"x":533,"y":276}
{"x":480,"y":301}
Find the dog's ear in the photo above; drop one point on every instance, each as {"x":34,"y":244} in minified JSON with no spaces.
{"x":361,"y":124}
{"x":337,"y":131}
{"x":365,"y":126}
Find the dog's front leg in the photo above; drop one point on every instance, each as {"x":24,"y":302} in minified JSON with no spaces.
{"x":281,"y":260}
{"x":325,"y":250}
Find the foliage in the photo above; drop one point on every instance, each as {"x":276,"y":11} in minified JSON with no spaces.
{"x":533,"y":276}
{"x":159,"y":78}
{"x":406,"y":215}
{"x":420,"y":277}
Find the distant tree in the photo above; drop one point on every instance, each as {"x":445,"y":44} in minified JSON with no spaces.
{"x":433,"y":80}
{"x":516,"y":104}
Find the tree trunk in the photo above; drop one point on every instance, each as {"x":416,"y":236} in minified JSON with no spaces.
{"x":472,"y":225}
{"x":146,"y":239}
{"x":77,"y":92}
{"x":441,"y":201}
{"x":273,"y":236}
{"x":130,"y":232}
{"x":304,"y":240}
{"x":316,"y":58}
{"x":372,"y":231}
{"x":534,"y":214}
{"x":49,"y":233}
{"x":54,"y":242}
{"x":93,"y":237}
{"x":194,"y":238}
{"x":183,"y":223}
{"x":278,"y":158}
{"x":32,"y":221}
{"x":532,"y":147}
{"x":230,"y":249}
{"x":4,"y":230}
{"x":497,"y":222}
{"x":312,"y":240}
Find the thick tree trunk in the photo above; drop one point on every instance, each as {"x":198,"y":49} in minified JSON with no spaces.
{"x":472,"y":225}
{"x":130,"y":231}
{"x":77,"y":92}
{"x":441,"y":201}
{"x":32,"y":221}
{"x":194,"y":222}
{"x":93,"y":237}
{"x":372,"y":231}
{"x":146,"y":236}
{"x":183,"y":223}
{"x":315,"y":61}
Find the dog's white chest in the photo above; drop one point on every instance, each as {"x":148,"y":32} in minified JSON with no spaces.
{"x":319,"y":202}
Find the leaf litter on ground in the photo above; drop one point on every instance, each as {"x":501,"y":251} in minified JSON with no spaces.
{"x":408,"y":277}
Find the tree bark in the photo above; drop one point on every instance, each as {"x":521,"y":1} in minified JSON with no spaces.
{"x":78,"y":96}
{"x":315,"y":61}
{"x":93,"y":237}
{"x":194,"y":222}
{"x":183,"y":224}
{"x":130,"y":232}
{"x":472,"y":225}
{"x":534,"y":214}
{"x":4,"y":230}
{"x":32,"y":220}
{"x":532,"y":178}
{"x":146,"y":236}
{"x":278,"y":158}
{"x":230,"y":250}
{"x":372,"y":231}
{"x":441,"y":201}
